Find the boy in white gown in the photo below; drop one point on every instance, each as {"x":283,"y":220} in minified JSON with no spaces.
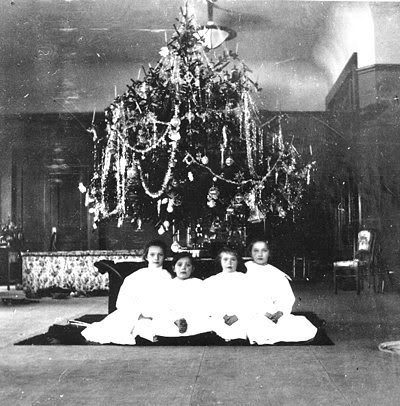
{"x":270,"y":301}
{"x":137,"y":299}
{"x":227,"y":299}
{"x":181,"y":311}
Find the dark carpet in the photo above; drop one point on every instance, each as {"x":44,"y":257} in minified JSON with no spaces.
{"x":71,"y":335}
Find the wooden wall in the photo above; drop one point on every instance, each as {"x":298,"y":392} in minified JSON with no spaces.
{"x":43,"y":193}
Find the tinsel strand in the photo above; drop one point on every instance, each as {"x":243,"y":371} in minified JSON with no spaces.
{"x":167,"y":177}
{"x":247,"y":135}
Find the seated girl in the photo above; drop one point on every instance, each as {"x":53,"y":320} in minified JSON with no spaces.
{"x":270,"y":301}
{"x":226,"y":297}
{"x":181,"y":311}
{"x":137,"y":299}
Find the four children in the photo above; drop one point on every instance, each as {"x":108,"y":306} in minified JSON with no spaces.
{"x":255,"y":305}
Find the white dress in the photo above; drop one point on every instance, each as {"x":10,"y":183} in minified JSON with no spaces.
{"x":140,"y":293}
{"x":269,"y":290}
{"x":225,"y":296}
{"x":182,"y":299}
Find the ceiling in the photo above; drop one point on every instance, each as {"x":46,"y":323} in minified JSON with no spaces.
{"x":72,"y":55}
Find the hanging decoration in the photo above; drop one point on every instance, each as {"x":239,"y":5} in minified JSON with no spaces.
{"x":185,"y":146}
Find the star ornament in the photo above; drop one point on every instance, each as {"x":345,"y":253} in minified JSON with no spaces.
{"x":239,"y":176}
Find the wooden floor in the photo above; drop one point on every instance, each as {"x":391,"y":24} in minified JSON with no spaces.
{"x":352,"y":372}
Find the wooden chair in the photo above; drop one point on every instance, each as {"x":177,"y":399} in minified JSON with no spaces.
{"x":362,"y":266}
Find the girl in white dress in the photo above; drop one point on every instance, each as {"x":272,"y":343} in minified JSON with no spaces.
{"x":270,"y":301}
{"x":226,"y":297}
{"x":181,"y":311}
{"x":138,"y":299}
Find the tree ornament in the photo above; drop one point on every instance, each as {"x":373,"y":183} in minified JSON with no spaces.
{"x":82,"y":188}
{"x":175,"y":121}
{"x":188,"y":160}
{"x":174,"y":135}
{"x":131,"y":172}
{"x":204,"y":160}
{"x":190,"y":116}
{"x":240,"y":210}
{"x":230,"y":210}
{"x":229,"y":161}
{"x":170,"y":206}
{"x":198,"y":229}
{"x":188,"y":77}
{"x":213,"y":193}
{"x":256,"y":215}
{"x":175,"y":247}
{"x":230,"y":170}
{"x":239,"y":198}
{"x":211,"y":203}
{"x":212,"y":197}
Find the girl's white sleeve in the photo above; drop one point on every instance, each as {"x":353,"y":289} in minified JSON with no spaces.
{"x":282,"y":295}
{"x":212,"y":298}
{"x":127,"y":296}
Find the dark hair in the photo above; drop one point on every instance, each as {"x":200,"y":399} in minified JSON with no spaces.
{"x":155,"y":243}
{"x":251,"y":245}
{"x":229,"y":250}
{"x":181,"y":255}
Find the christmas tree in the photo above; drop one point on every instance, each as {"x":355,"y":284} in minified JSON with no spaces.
{"x":186,"y":146}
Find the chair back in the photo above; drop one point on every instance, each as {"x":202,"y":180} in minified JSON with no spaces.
{"x":366,"y":240}
{"x":362,"y":265}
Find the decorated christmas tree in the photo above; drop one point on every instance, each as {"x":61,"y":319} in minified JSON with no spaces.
{"x":185,"y":146}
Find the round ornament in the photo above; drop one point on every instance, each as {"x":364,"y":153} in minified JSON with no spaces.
{"x":175,"y":121}
{"x":175,"y":247}
{"x":211,"y":203}
{"x":174,"y":135}
{"x":229,"y":161}
{"x":132,"y":172}
{"x":204,"y":160}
